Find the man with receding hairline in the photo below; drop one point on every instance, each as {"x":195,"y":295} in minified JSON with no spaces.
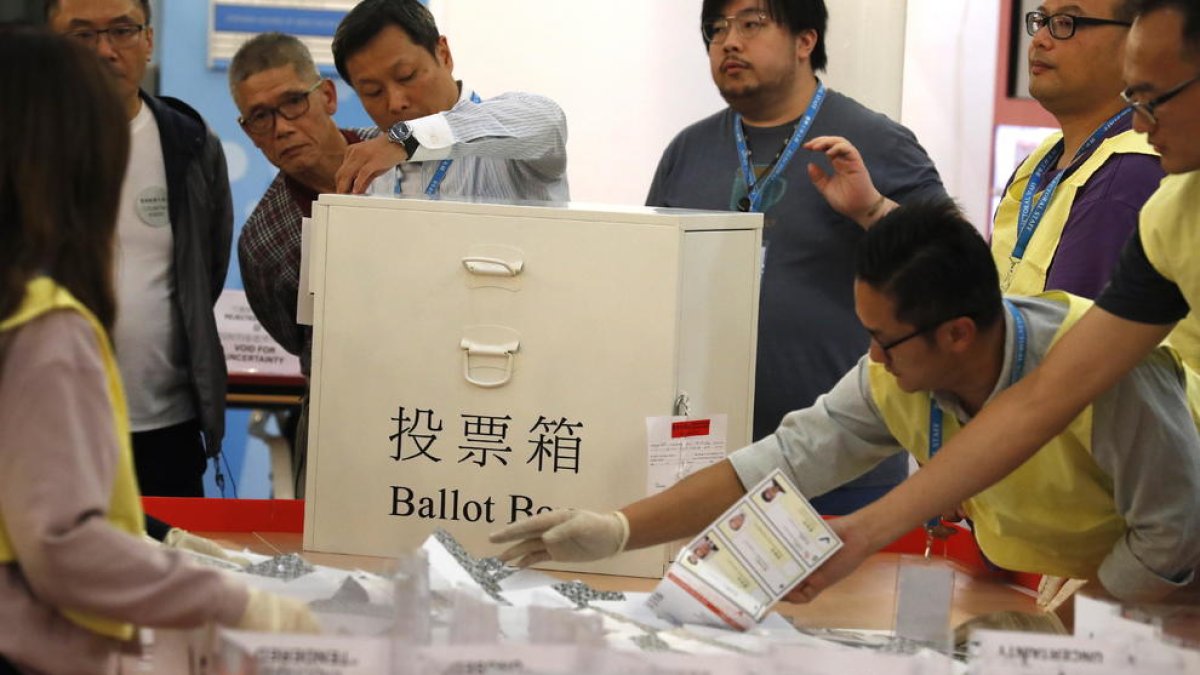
{"x":287,"y":111}
{"x":173,"y":246}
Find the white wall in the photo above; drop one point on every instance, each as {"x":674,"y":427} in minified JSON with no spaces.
{"x":949,"y":96}
{"x":866,"y":51}
{"x":631,"y":73}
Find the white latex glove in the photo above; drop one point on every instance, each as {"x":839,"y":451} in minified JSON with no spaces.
{"x":270,"y":613}
{"x":186,"y":541}
{"x":1054,"y":591}
{"x":565,"y":536}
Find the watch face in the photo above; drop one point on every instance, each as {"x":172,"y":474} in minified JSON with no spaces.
{"x":399,"y":132}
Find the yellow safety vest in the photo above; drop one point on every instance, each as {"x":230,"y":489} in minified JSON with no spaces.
{"x":1170,"y":230}
{"x":1028,"y":275}
{"x":1055,"y":514}
{"x":43,"y":295}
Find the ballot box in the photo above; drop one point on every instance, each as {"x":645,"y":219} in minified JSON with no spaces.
{"x":477,"y":363}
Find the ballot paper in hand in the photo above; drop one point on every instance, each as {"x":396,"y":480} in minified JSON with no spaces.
{"x":747,"y":560}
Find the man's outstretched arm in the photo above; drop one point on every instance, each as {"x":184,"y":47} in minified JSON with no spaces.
{"x":573,"y":536}
{"x":1085,"y":363}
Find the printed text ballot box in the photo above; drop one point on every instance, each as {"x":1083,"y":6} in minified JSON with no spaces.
{"x":477,"y":363}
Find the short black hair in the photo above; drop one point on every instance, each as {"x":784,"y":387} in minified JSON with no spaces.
{"x":1190,"y":9}
{"x":1125,"y":10}
{"x":932,"y":263}
{"x":795,"y":15}
{"x":51,"y":6}
{"x":369,"y":17}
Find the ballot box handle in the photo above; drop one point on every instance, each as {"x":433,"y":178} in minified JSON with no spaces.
{"x":471,"y":348}
{"x":492,"y":267}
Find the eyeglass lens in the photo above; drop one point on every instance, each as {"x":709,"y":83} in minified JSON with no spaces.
{"x":747,"y":24}
{"x":293,"y":106}
{"x":121,"y":36}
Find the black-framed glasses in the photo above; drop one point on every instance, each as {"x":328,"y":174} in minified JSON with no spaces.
{"x":1146,"y":108}
{"x":293,"y":106}
{"x":123,"y":35}
{"x":747,"y":23}
{"x":1062,"y":26}
{"x":886,"y":348}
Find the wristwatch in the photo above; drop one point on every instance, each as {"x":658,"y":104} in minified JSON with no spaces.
{"x":402,"y":134}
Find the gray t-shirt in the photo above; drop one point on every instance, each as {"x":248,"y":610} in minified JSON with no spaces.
{"x":808,"y":333}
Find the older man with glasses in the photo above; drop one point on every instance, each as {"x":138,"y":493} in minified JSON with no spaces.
{"x":287,"y":110}
{"x":174,"y":233}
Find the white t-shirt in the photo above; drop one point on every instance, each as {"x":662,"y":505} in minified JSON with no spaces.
{"x":148,"y":335}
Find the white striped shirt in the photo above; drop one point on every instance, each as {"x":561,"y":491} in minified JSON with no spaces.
{"x":510,"y":147}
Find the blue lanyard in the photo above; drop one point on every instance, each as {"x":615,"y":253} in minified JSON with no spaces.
{"x":754,"y":189}
{"x":1031,"y":214}
{"x":1018,"y":369}
{"x":435,"y":183}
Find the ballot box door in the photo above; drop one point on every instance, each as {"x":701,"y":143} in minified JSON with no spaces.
{"x":475,"y":364}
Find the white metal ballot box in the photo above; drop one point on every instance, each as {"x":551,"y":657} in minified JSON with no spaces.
{"x":477,"y":363}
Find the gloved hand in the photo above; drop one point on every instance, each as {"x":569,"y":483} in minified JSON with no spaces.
{"x":186,"y":541}
{"x":1054,"y":591}
{"x":565,"y":536}
{"x":270,"y":613}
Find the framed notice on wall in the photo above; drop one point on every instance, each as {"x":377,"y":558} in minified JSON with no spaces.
{"x":1018,"y":61}
{"x":232,"y":22}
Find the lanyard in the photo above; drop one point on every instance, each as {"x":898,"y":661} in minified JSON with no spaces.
{"x":754,"y":189}
{"x":1018,"y":369}
{"x":435,"y":183}
{"x":1031,"y":214}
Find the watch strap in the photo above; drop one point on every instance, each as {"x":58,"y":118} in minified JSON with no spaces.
{"x":411,"y":144}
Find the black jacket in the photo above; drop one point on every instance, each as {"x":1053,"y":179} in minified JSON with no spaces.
{"x":201,"y":212}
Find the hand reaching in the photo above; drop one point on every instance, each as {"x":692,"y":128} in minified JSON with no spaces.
{"x":270,"y":613}
{"x":566,"y":536}
{"x":366,"y":161}
{"x":183,"y":540}
{"x":855,"y":549}
{"x":848,"y":189}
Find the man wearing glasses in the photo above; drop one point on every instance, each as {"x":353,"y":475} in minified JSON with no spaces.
{"x":287,"y":111}
{"x":1071,"y":205}
{"x":173,"y":244}
{"x":753,"y":156}
{"x":1155,"y":286}
{"x":1093,"y":503}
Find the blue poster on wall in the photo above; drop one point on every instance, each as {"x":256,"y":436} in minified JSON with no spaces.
{"x":234,"y":21}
